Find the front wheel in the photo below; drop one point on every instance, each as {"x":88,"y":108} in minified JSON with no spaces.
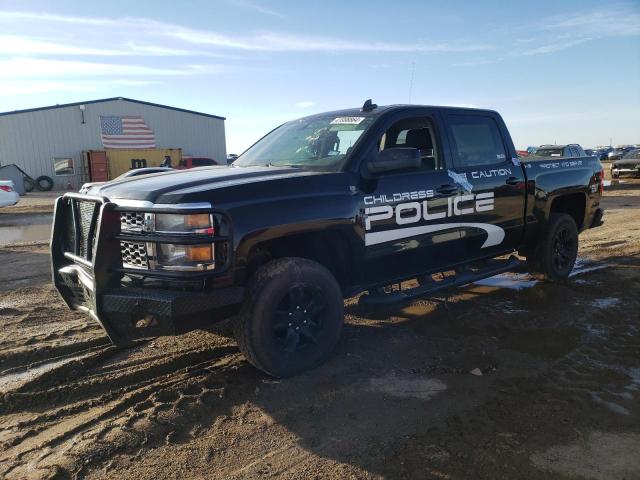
{"x":558,"y":250}
{"x":292,"y":316}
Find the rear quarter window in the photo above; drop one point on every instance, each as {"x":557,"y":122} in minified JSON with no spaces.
{"x":475,"y":140}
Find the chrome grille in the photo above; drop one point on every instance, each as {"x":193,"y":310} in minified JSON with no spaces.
{"x":131,"y":221}
{"x":134,"y":255}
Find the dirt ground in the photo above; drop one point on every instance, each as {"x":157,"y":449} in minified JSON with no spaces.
{"x":541,"y":382}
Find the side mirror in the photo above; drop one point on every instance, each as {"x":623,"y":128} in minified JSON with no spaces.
{"x":395,"y":159}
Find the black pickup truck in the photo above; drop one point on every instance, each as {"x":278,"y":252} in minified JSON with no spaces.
{"x":320,"y":209}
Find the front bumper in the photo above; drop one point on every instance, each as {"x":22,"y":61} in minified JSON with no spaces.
{"x":625,"y":170}
{"x":88,"y":273}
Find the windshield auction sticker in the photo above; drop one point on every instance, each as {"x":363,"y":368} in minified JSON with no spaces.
{"x":347,"y":120}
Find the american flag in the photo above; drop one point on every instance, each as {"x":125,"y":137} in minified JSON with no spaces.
{"x":126,"y":132}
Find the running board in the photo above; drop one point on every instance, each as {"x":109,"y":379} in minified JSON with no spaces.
{"x":462,"y":278}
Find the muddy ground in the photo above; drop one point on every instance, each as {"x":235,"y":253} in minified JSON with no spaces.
{"x":555,"y":392}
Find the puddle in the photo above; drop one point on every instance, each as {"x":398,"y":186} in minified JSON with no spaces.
{"x":597,"y":332}
{"x":25,"y":228}
{"x":512,"y":281}
{"x":583,"y":266}
{"x":407,"y":387}
{"x":551,"y":344}
{"x":11,"y":380}
{"x":634,"y":373}
{"x":521,"y":281}
{"x":604,"y":303}
{"x":601,"y":456}
{"x":611,"y":406}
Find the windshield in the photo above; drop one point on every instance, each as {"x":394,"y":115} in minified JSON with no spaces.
{"x":632,"y":154}
{"x":314,"y":142}
{"x":549,"y":152}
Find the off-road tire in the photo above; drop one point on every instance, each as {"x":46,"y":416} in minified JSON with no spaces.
{"x":557,"y":252}
{"x":272,"y":286}
{"x":44,"y":183}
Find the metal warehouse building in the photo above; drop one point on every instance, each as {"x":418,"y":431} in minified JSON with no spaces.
{"x":54,"y":141}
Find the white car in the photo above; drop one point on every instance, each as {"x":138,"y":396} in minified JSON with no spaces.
{"x":8,"y":196}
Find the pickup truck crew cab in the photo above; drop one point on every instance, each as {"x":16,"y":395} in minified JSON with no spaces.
{"x":320,"y":209}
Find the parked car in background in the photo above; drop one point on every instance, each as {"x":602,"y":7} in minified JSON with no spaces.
{"x":193,"y":162}
{"x":522,"y":153}
{"x":602,"y":153}
{"x":619,"y":152}
{"x":570,"y":150}
{"x":629,"y":164}
{"x":134,"y":172}
{"x":8,"y":195}
{"x":532,"y":150}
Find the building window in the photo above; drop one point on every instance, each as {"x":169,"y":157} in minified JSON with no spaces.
{"x":63,"y":166}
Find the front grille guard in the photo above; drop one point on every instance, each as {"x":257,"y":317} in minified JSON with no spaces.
{"x":82,"y":257}
{"x":86,"y":262}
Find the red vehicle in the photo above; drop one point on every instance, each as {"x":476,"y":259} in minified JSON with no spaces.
{"x":522,"y":153}
{"x":192,"y":162}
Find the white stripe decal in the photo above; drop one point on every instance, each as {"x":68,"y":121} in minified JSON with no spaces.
{"x":495,"y":234}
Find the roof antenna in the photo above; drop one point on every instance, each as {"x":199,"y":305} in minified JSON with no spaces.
{"x":368,"y":106}
{"x":413,"y":69}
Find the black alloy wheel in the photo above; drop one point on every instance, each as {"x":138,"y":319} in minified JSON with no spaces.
{"x":564,"y":247}
{"x":298,"y":321}
{"x":291,"y":318}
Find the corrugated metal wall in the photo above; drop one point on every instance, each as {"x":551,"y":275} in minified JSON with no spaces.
{"x":33,"y":139}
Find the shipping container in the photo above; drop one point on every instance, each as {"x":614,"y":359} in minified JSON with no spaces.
{"x":111,"y":163}
{"x":121,"y":161}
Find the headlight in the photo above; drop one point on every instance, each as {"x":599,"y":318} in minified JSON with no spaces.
{"x":177,"y":223}
{"x":171,"y":256}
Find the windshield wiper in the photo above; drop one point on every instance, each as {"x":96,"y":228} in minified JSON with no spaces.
{"x":290,"y":165}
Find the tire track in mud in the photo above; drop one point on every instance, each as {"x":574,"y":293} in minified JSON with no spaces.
{"x":170,"y":388}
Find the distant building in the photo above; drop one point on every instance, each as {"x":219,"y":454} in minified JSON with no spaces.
{"x":53,"y":140}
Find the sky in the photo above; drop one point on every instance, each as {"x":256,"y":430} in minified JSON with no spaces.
{"x":558,"y":71}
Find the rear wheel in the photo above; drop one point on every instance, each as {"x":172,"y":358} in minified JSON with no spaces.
{"x":292,"y":317}
{"x":558,"y":250}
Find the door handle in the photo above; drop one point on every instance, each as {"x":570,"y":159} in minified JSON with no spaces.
{"x":512,"y":181}
{"x":447,"y":189}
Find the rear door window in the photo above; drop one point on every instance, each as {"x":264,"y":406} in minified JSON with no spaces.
{"x":475,"y":141}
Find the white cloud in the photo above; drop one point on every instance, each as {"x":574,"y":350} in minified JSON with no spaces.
{"x":15,"y":45}
{"x":281,"y":42}
{"x":305,"y":104}
{"x":251,"y":5}
{"x":25,"y":67}
{"x":582,"y":27}
{"x":22,"y":87}
{"x":617,"y":20}
{"x":137,"y":29}
{"x":554,"y":47}
{"x":478,"y":62}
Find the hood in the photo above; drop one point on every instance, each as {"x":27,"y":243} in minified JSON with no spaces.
{"x":194,"y":185}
